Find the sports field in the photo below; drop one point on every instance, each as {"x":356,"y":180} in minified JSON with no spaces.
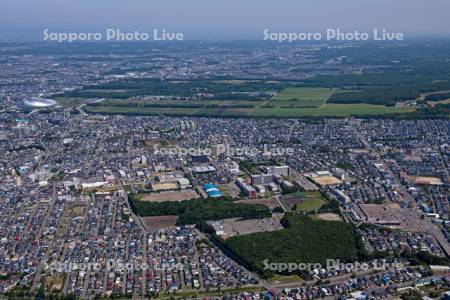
{"x":326,"y":180}
{"x":310,"y":204}
{"x":304,"y":201}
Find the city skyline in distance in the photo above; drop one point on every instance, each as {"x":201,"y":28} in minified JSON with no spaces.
{"x":222,"y":20}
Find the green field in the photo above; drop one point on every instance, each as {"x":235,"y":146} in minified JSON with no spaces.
{"x":232,"y":98}
{"x":317,"y":97}
{"x":310,"y":204}
{"x":340,"y":110}
{"x":290,"y":102}
{"x":304,"y":201}
{"x":140,"y":110}
{"x":328,"y":110}
{"x":305,"y":95}
{"x":70,"y":101}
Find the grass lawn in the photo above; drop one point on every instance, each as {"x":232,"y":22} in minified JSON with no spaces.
{"x":307,"y":194}
{"x":307,"y":201}
{"x":311,"y":204}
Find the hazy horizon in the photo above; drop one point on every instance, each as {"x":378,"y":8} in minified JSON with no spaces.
{"x":233,"y":19}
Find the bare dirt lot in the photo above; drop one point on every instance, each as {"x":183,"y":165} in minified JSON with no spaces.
{"x":171,"y":196}
{"x":424,"y":180}
{"x":164,"y":186}
{"x":328,"y":217}
{"x":159,"y":222}
{"x":326,"y":180}
{"x":227,"y":228}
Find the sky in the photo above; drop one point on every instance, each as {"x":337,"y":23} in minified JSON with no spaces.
{"x":223,"y":19}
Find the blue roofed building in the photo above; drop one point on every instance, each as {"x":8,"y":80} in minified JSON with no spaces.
{"x":212,"y":190}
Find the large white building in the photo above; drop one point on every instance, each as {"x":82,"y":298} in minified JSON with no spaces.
{"x":278,"y":170}
{"x":263,"y":179}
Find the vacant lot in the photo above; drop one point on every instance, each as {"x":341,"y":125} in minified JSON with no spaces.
{"x":170,"y":196}
{"x":428,"y":180}
{"x":269,"y":202}
{"x":327,"y":217}
{"x":159,"y":222}
{"x":55,"y":283}
{"x":234,"y":226}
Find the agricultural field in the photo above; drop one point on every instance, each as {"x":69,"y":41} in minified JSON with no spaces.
{"x":66,"y":102}
{"x":226,"y":98}
{"x":339,"y":110}
{"x":186,"y":90}
{"x":304,"y":96}
{"x":140,"y":110}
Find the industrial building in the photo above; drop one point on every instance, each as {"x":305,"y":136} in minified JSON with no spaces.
{"x":277,"y":170}
{"x":263,"y":179}
{"x":260,"y":188}
{"x":248,"y":190}
{"x":273,"y":187}
{"x":287,"y":185}
{"x":184,"y":183}
{"x":203,"y":169}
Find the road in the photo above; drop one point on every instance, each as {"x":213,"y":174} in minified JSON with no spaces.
{"x":136,"y":218}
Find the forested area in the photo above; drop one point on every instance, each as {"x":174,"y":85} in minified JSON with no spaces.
{"x":302,"y":241}
{"x":222,"y":90}
{"x":197,"y":210}
{"x":389,"y":95}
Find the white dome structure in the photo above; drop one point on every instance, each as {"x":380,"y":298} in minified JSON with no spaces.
{"x":39,"y":102}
